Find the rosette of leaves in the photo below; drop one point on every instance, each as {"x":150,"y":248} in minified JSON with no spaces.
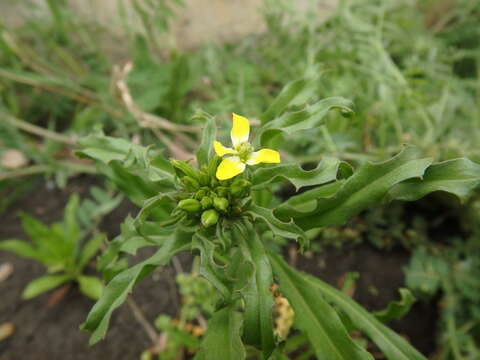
{"x":227,"y":234}
{"x":65,"y":248}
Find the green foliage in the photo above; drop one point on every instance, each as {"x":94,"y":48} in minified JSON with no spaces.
{"x":452,"y":272}
{"x":367,"y":186}
{"x":118,"y":288}
{"x":396,"y":309}
{"x":315,"y":317}
{"x":415,"y":75}
{"x":64,"y":248}
{"x":225,"y":231}
{"x":222,"y":340}
{"x":458,"y":176}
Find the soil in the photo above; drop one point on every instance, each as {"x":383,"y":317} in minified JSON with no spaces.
{"x":47,"y":327}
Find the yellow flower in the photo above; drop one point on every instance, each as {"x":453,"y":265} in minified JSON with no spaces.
{"x":242,"y":154}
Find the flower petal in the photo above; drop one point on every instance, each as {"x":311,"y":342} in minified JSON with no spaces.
{"x":221,"y":150}
{"x":230,"y":167}
{"x":264,"y":156}
{"x":240,"y":130}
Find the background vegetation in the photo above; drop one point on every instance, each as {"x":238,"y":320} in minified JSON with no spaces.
{"x":410,"y":67}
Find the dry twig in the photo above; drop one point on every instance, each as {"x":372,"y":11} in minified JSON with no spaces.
{"x":153,"y":122}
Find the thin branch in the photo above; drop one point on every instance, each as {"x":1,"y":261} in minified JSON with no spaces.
{"x":31,"y":170}
{"x":37,"y":130}
{"x":144,"y":119}
{"x":142,"y":320}
{"x":177,"y":265}
{"x":39,"y":169}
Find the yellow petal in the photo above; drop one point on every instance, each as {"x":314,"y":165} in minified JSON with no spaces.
{"x":240,"y":130}
{"x":221,"y":150}
{"x":264,"y":156}
{"x":230,"y":167}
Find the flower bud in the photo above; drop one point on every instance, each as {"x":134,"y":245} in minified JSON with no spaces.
{"x":206,"y":202}
{"x":209,"y":217}
{"x":190,"y":205}
{"x":200,"y":194}
{"x":221,"y":191}
{"x":203,"y":178}
{"x":190,"y":183}
{"x":183,"y":168}
{"x":213,"y":182}
{"x":240,"y":187}
{"x":220,"y":203}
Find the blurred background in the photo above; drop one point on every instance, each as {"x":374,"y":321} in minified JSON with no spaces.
{"x":146,"y":70}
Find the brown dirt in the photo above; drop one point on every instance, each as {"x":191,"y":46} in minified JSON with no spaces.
{"x":44,"y":332}
{"x":52,"y":332}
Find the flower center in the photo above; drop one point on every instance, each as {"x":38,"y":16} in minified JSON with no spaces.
{"x":244,"y":150}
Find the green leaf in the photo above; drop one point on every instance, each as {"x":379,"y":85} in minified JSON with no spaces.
{"x":425,"y":272}
{"x":19,"y":247}
{"x":160,"y":206}
{"x":393,"y":346}
{"x":208,"y":267}
{"x":121,"y":285}
{"x":396,"y":309}
{"x":367,"y":187}
{"x":131,"y":239}
{"x":176,"y":334}
{"x":457,"y":176}
{"x":50,"y":243}
{"x":284,"y":229}
{"x":222,"y":340}
{"x":70,"y":219}
{"x":90,"y":286}
{"x":90,"y":249}
{"x":205,"y":151}
{"x":303,"y":204}
{"x":258,"y":322}
{"x":308,"y":118}
{"x":299,"y":89}
{"x":138,"y":171}
{"x":43,"y":284}
{"x":315,"y":317}
{"x":325,"y":171}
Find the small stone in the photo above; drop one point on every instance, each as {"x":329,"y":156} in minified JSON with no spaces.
{"x":6,"y":330}
{"x":13,"y":159}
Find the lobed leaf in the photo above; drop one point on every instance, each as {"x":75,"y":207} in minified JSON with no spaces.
{"x":315,"y":317}
{"x":325,"y":171}
{"x":121,"y":285}
{"x":299,"y":89}
{"x":208,"y":268}
{"x":457,"y":176}
{"x":284,"y":229}
{"x":138,"y":171}
{"x":368,"y":186}
{"x":258,"y":322}
{"x":397,"y":309}
{"x":308,"y":118}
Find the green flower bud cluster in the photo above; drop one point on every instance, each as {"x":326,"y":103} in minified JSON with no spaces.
{"x":203,"y":197}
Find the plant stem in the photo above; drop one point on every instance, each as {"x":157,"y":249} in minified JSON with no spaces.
{"x":142,"y":320}
{"x":39,"y":169}
{"x":37,"y":130}
{"x":450,"y":317}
